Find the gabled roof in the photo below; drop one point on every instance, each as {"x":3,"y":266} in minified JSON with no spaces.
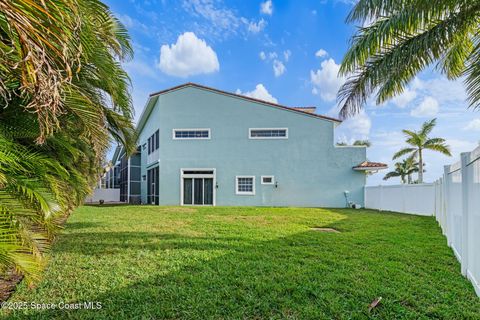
{"x":154,"y":96}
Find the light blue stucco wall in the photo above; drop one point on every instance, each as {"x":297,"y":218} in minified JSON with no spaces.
{"x":309,"y":169}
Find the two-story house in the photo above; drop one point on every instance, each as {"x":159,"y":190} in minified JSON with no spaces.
{"x":203,"y":146}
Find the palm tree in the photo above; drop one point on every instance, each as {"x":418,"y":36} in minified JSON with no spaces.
{"x":63,"y":97}
{"x":420,"y":141}
{"x":403,"y":170}
{"x":399,"y":39}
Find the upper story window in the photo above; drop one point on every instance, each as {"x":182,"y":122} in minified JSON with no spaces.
{"x":268,"y":133}
{"x":153,"y":142}
{"x":191,"y":134}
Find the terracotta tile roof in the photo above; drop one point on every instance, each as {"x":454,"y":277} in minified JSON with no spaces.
{"x":306,"y":109}
{"x":371,"y":165}
{"x":296,"y":109}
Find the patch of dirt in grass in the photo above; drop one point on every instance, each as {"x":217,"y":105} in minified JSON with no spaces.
{"x":8,"y":283}
{"x":323,"y":229}
{"x":253,"y":219}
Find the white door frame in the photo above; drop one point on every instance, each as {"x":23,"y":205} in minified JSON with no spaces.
{"x":214,"y":176}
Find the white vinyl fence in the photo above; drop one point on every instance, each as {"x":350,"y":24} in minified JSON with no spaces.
{"x":407,"y":198}
{"x":107,"y":195}
{"x":454,"y":200}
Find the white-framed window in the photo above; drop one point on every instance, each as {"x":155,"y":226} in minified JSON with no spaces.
{"x":268,"y":133}
{"x":268,"y":180}
{"x":245,"y":185}
{"x":188,"y":134}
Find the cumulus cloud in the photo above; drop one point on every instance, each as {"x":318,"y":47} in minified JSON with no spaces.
{"x":355,"y":128}
{"x":326,"y":80}
{"x":256,"y":27}
{"x":260,"y":92}
{"x":278,"y":68}
{"x":405,"y":98}
{"x":266,"y":7}
{"x":473,"y":125}
{"x":188,"y":56}
{"x":427,"y":108}
{"x":321,"y":53}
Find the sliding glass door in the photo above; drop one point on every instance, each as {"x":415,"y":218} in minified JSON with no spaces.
{"x":198,"y":191}
{"x":198,"y":187}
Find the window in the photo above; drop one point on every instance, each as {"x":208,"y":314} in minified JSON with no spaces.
{"x":268,"y":180}
{"x":154,"y":142}
{"x":268,"y":133}
{"x":191,"y":134}
{"x":245,"y":185}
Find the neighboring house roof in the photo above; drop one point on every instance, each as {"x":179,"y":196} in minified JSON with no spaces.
{"x":154,"y":96}
{"x":369,"y":166}
{"x":306,"y":109}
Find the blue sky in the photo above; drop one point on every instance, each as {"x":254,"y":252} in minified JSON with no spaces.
{"x":287,"y":52}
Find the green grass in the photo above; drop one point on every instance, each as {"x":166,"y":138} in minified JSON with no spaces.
{"x":145,"y":262}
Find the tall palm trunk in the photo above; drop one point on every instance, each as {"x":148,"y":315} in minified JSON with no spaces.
{"x":420,"y":166}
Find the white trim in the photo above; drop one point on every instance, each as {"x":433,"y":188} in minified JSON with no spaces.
{"x":214,"y":176}
{"x":191,"y":129}
{"x":272,"y":177}
{"x":262,"y":138}
{"x":243,"y":193}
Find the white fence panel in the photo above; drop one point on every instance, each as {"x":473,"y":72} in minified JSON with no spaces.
{"x":454,"y":199}
{"x":107,"y":195}
{"x":407,"y":198}
{"x":453,"y":177}
{"x":472,"y":240}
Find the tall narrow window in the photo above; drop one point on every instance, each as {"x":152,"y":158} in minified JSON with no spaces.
{"x":154,"y":142}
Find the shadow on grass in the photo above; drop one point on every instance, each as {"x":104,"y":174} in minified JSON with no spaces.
{"x":308,"y":275}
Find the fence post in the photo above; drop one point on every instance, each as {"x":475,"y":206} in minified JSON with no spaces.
{"x":446,"y":183}
{"x":465,"y":156}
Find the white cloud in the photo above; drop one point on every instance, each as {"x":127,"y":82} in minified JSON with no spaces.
{"x":473,"y":125}
{"x":260,"y":92}
{"x":286,"y":55}
{"x":262,"y":55}
{"x":220,"y":20}
{"x":266,"y":7}
{"x":355,"y":128}
{"x":326,"y":79}
{"x":321,"y":53}
{"x":405,"y":98}
{"x":427,"y":108}
{"x":213,"y":19}
{"x":188,"y":56}
{"x":278,"y":68}
{"x":257,"y":27}
{"x":272,"y":55}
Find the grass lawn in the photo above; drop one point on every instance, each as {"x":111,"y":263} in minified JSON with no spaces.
{"x":146,"y":262}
